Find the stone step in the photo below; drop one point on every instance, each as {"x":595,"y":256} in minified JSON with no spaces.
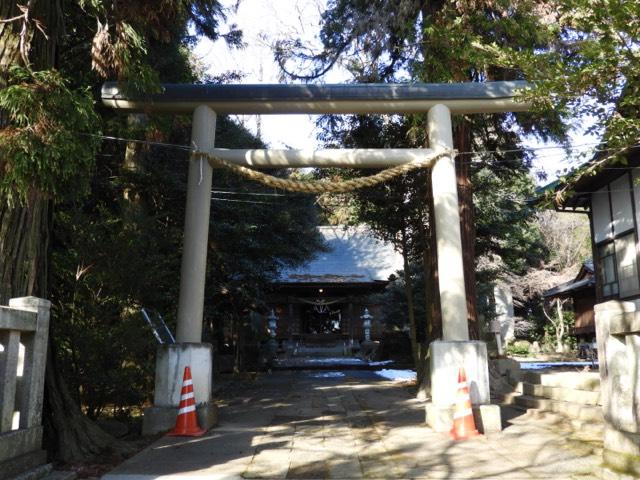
{"x":573,"y":395}
{"x":588,"y":433}
{"x":61,"y":475}
{"x":571,"y":380}
{"x":572,"y":410}
{"x":505,"y":398}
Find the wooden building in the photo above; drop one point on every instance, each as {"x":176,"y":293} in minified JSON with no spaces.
{"x":326,"y":298}
{"x":582,"y":292}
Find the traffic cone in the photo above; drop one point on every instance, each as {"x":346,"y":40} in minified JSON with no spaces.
{"x":187,"y":422}
{"x":463,"y":425}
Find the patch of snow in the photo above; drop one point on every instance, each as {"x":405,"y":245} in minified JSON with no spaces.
{"x":327,"y":375}
{"x":547,"y":365}
{"x":381,"y":363}
{"x":396,"y":375}
{"x":336,"y":361}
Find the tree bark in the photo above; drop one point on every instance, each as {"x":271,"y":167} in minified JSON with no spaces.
{"x":419,"y":345}
{"x":70,"y":436}
{"x":24,"y":245}
{"x":408,"y":292}
{"x":25,"y":232}
{"x":430,"y":267}
{"x":133,"y":163}
{"x":462,"y":141}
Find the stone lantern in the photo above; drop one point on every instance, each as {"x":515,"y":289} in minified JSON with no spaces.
{"x":272,"y":324}
{"x":366,"y":324}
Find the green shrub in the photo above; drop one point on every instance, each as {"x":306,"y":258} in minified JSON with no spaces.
{"x":519,"y":347}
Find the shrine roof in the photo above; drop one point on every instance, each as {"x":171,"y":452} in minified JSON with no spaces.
{"x":354,"y":255}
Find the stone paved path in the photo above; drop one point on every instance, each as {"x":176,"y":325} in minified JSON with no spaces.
{"x":301,"y":425}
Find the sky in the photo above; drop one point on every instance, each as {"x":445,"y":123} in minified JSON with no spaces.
{"x":263,"y":21}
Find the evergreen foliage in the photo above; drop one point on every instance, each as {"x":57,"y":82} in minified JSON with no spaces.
{"x":40,"y":147}
{"x":118,"y":208}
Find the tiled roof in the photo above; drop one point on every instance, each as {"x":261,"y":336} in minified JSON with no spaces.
{"x":354,"y":255}
{"x":584,"y":279}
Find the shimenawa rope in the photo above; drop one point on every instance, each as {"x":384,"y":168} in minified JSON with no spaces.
{"x":319,"y":186}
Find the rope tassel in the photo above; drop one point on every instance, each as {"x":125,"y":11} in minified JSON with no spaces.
{"x":319,"y":186}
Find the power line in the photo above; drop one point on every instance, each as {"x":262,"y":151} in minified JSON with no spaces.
{"x":231,"y":192}
{"x":474,"y":153}
{"x":142,"y":142}
{"x":217,"y":199}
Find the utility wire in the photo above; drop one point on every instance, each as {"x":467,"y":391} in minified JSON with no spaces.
{"x":217,"y":199}
{"x":472,"y":153}
{"x":232,"y":192}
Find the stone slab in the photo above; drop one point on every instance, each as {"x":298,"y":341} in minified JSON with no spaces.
{"x":61,"y":475}
{"x":488,"y":418}
{"x":582,"y":397}
{"x":268,"y":429}
{"x":508,"y":368}
{"x":163,"y":419}
{"x":587,"y":381}
{"x":36,"y":473}
{"x":170,"y":363}
{"x":20,"y":442}
{"x":30,"y":464}
{"x":446,"y":360}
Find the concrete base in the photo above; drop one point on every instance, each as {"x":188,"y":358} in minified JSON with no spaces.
{"x":439,"y":418}
{"x":163,"y":419}
{"x":486,"y":417}
{"x":618,"y":335}
{"x":621,"y":453}
{"x":170,"y":363}
{"x":607,"y":474}
{"x":446,"y":360}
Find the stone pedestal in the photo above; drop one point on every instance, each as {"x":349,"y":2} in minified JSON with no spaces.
{"x":170,"y":363}
{"x":618,"y":334}
{"x":446,"y":360}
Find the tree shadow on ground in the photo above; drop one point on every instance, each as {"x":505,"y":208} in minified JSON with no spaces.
{"x":291,"y":425}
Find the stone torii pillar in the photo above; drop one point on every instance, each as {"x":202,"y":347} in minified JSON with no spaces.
{"x":189,"y":349}
{"x":454,"y":350}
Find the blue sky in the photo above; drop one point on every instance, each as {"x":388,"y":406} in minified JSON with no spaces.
{"x":264,"y":21}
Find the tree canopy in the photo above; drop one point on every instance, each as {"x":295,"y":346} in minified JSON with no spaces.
{"x":95,"y":224}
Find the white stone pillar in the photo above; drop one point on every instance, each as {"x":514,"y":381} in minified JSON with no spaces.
{"x":455,"y":350}
{"x":196,"y":230}
{"x":189,"y":351}
{"x":453,"y":299}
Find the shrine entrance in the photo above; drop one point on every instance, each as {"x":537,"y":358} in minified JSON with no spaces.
{"x":437,"y":101}
{"x":322,"y":319}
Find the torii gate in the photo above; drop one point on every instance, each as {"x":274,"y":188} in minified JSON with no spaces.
{"x":438,"y":100}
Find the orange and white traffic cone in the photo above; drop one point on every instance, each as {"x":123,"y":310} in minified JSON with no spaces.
{"x":187,"y":422}
{"x":463,"y":425}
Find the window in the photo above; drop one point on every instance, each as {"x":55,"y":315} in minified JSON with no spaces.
{"x":607,"y":270}
{"x":626,"y":265}
{"x":615,"y":238}
{"x":601,"y":213}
